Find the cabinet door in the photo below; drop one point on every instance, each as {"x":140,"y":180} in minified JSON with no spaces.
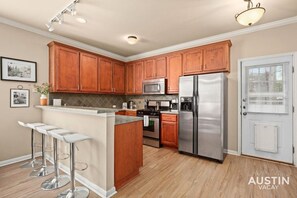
{"x":88,"y":72}
{"x":174,"y":71}
{"x":160,"y":68}
{"x":105,"y":75}
{"x":149,"y":69}
{"x":169,"y":133}
{"x":67,"y":69}
{"x":192,"y":61}
{"x":216,"y":57}
{"x":130,"y":79}
{"x":118,"y":78}
{"x":138,"y":73}
{"x":131,"y":113}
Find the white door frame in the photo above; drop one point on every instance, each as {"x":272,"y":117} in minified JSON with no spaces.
{"x":294,"y":80}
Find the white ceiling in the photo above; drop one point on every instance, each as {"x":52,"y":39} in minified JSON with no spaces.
{"x":158,"y":23}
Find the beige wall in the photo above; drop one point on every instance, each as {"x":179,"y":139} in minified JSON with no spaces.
{"x":15,"y":141}
{"x":16,"y":43}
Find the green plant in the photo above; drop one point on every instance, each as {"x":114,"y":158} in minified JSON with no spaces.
{"x":44,"y":88}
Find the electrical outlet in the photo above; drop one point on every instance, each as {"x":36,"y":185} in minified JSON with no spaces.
{"x":34,"y":90}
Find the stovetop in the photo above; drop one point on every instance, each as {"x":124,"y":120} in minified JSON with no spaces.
{"x":150,"y":112}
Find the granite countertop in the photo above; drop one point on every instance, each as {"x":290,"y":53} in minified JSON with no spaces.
{"x":171,"y":112}
{"x":121,"y":119}
{"x":79,"y":109}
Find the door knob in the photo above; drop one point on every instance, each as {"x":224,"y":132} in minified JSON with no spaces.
{"x":244,"y":113}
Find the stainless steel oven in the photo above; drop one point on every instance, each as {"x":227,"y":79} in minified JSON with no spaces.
{"x":155,"y":86}
{"x":153,"y":128}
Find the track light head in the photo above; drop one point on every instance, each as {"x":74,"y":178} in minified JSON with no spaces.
{"x":50,"y":26}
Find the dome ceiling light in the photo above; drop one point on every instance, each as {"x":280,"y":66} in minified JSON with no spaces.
{"x":250,"y":16}
{"x":132,"y":40}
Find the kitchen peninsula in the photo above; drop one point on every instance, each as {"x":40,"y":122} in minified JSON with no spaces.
{"x":114,"y":155}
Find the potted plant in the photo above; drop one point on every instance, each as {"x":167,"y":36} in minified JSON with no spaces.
{"x":43,"y":89}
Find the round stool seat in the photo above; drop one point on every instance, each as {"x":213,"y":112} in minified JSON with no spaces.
{"x":73,"y":138}
{"x":45,"y":128}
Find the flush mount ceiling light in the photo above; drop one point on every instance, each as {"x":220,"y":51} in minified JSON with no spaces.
{"x":132,"y":40}
{"x":59,"y":18}
{"x":250,"y":16}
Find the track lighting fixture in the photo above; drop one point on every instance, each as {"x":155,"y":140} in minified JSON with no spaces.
{"x":59,"y":18}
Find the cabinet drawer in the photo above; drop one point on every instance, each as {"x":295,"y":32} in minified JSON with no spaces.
{"x":131,"y":113}
{"x":169,"y":117}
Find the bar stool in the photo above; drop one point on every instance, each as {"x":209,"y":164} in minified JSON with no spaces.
{"x":77,"y":192}
{"x":44,"y":170}
{"x":58,"y":180}
{"x":33,"y":163}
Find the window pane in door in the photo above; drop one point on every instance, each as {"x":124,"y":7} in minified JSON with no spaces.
{"x":267,"y":88}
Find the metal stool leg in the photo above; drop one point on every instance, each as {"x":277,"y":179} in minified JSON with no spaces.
{"x":57,"y":181}
{"x":77,"y":192}
{"x":44,"y":170}
{"x":33,"y":163}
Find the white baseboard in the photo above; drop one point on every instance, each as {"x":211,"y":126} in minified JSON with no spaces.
{"x":231,"y":152}
{"x":17,"y":159}
{"x":95,"y":188}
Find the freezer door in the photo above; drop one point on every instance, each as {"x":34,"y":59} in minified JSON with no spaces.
{"x":185,"y":132}
{"x":210,"y":115}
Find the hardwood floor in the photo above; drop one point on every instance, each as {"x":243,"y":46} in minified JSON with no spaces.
{"x":166,"y":173}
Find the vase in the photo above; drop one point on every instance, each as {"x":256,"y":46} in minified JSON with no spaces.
{"x":43,"y":100}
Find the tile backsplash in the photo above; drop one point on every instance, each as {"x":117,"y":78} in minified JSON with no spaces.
{"x":89,"y":100}
{"x":96,"y":100}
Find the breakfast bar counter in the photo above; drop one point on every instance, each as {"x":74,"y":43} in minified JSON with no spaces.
{"x":114,"y":154}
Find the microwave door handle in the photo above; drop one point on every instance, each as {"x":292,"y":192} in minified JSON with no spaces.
{"x":158,"y":87}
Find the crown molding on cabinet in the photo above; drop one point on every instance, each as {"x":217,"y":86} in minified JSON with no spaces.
{"x":169,"y":49}
{"x":63,"y":39}
{"x":212,"y":39}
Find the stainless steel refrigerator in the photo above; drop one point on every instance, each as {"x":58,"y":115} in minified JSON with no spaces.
{"x":203,"y":115}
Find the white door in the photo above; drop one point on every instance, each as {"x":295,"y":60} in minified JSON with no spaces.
{"x":266,"y":106}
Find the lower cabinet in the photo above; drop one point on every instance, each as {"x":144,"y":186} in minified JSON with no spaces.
{"x":128,"y":152}
{"x":169,"y":130}
{"x":126,"y":113}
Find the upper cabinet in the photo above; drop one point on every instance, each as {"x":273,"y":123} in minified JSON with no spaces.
{"x":193,"y":61}
{"x":161,"y":67}
{"x":118,"y":78}
{"x":130,"y":89}
{"x":174,"y":71}
{"x":134,"y":78}
{"x":64,"y":68}
{"x":155,"y":68}
{"x":88,"y":72}
{"x":217,"y":57}
{"x":207,"y":59}
{"x":76,"y":71}
{"x":138,"y":77}
{"x":105,"y":75}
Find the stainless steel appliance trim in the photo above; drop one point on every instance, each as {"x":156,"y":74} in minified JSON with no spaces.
{"x":156,"y":132}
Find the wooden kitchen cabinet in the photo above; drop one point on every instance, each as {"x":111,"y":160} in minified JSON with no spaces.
{"x":174,"y":71}
{"x":169,"y":130}
{"x":155,"y":68}
{"x":105,"y":76}
{"x":130,"y":78}
{"x":64,"y":68}
{"x":161,"y":67}
{"x":118,"y":78}
{"x":131,"y":113}
{"x":217,"y":57}
{"x":88,"y":72}
{"x":149,"y":69}
{"x":128,"y":152}
{"x":138,"y":77}
{"x":193,"y":61}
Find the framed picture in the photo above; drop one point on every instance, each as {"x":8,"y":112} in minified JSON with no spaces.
{"x":18,"y":70}
{"x":19,"y":98}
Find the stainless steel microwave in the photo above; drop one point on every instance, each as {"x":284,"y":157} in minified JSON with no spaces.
{"x":155,"y":86}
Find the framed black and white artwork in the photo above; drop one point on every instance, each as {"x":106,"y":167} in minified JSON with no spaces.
{"x":19,"y":98}
{"x":18,"y":70}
